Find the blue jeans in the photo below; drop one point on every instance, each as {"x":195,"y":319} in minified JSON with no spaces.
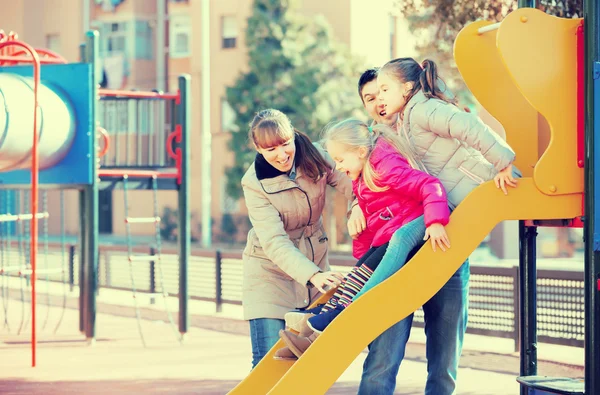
{"x":401,"y":244}
{"x":446,"y":315}
{"x":264,"y":333}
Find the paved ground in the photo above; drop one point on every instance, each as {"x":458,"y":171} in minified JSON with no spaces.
{"x":213,"y":359}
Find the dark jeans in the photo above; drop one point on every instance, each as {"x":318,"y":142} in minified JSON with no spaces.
{"x":446,"y":317}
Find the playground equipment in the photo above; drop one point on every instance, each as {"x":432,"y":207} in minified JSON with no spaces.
{"x":529,"y":72}
{"x":60,"y":102}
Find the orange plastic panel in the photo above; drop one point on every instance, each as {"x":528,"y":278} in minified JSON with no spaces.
{"x":486,"y":76}
{"x":540,"y":52}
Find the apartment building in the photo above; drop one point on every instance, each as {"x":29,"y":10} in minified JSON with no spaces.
{"x":137,"y":53}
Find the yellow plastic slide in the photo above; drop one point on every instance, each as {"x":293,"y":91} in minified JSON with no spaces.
{"x":404,"y":292}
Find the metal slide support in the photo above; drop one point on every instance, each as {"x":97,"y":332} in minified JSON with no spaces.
{"x":591,"y":15}
{"x":527,"y":302}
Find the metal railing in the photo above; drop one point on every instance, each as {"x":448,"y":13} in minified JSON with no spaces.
{"x":216,"y":276}
{"x":138,"y":128}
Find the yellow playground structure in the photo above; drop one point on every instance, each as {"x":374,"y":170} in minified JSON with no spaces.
{"x":527,"y":71}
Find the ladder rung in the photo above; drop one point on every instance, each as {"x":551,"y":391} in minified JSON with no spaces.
{"x":142,"y":220}
{"x":143,"y":258}
{"x":21,"y":217}
{"x":42,"y":271}
{"x":23,"y":270}
{"x":9,"y":269}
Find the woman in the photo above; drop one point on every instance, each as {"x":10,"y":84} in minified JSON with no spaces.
{"x":285,"y":259}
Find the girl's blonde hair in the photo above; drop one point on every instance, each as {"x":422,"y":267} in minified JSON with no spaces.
{"x":354,"y":134}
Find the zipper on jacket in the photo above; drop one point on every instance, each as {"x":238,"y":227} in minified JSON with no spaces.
{"x":312,"y":250}
{"x":309,"y":297}
{"x":472,"y":176}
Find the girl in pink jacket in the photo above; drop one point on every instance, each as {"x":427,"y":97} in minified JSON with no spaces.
{"x":401,"y":205}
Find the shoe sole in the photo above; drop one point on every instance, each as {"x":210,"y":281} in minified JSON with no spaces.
{"x":288,"y":342}
{"x":285,"y":359}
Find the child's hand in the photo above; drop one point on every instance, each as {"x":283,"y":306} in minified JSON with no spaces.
{"x":439,"y":237}
{"x":357,"y":222}
{"x":504,"y":178}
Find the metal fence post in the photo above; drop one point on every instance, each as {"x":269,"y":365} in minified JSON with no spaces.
{"x":218,"y":282}
{"x":152,"y":276}
{"x":71,"y":267}
{"x":516,"y":307}
{"x":99,"y":270}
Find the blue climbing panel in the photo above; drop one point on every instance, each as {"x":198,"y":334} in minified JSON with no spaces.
{"x":73,"y":82}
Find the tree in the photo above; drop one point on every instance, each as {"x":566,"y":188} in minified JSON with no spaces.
{"x":228,"y":227}
{"x":437,"y":23}
{"x":296,"y":67}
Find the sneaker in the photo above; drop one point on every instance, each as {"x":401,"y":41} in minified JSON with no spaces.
{"x":297,"y":344}
{"x":315,"y":310}
{"x":318,"y":323}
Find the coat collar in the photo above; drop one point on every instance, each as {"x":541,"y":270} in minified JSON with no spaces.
{"x":271,"y":179}
{"x":419,"y":97}
{"x":264,"y":169}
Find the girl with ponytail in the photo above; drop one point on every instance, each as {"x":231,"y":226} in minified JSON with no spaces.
{"x":402,"y":204}
{"x":462,"y":152}
{"x":455,"y":146}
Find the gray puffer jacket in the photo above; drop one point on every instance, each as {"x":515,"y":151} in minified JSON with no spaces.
{"x":455,"y":146}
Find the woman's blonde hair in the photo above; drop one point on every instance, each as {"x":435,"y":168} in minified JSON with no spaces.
{"x":354,"y":134}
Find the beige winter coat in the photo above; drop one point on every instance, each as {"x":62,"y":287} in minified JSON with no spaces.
{"x":287,"y":244}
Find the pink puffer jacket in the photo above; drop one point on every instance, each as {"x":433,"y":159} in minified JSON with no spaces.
{"x":410,"y":194}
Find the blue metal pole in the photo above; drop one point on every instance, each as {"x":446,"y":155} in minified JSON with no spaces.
{"x":527,"y":4}
{"x":89,"y":203}
{"x":591,"y":15}
{"x":185,"y":235}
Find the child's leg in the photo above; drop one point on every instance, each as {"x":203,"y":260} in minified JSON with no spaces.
{"x":350,"y":288}
{"x":333,"y":301}
{"x":403,"y":241}
{"x":356,"y":280}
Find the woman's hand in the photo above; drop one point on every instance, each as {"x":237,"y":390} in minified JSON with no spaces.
{"x":439,"y":237}
{"x":504,"y":178}
{"x":321,"y":280}
{"x":356,"y":222}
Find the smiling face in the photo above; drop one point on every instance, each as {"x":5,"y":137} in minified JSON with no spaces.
{"x":274,"y":138}
{"x":280,"y":156}
{"x":374,"y":107}
{"x":392,"y":92}
{"x":348,"y":160}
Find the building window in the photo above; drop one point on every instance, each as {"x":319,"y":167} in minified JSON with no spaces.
{"x":132,"y":39}
{"x":114,"y":38}
{"x":53,"y":43}
{"x":228,"y":117}
{"x":144,"y":40}
{"x":229,"y":31}
{"x":179,"y":36}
